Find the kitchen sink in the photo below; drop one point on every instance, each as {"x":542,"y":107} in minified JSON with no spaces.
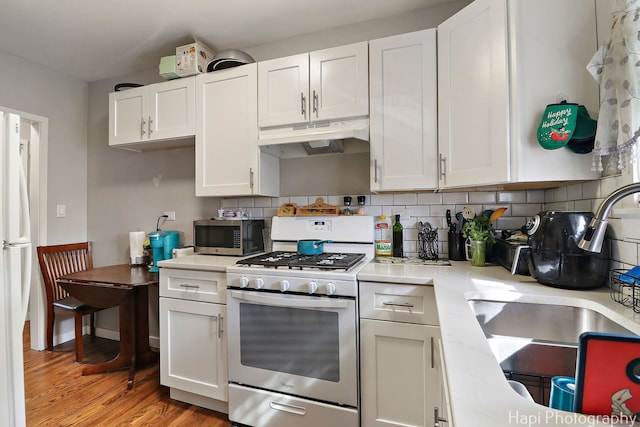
{"x":534,"y":342}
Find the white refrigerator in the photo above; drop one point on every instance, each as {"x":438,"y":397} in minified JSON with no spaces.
{"x":15,"y":267}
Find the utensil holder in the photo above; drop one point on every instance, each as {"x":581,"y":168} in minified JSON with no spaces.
{"x":428,"y":244}
{"x":456,"y":246}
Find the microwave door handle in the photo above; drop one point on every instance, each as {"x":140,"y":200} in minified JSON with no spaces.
{"x":290,"y":302}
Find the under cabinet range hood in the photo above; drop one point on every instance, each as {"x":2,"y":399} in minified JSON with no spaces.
{"x":317,"y":133}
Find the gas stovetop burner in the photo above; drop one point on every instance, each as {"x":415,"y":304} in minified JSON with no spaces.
{"x":294,"y":260}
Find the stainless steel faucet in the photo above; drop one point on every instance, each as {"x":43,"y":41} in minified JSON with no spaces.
{"x":594,"y":235}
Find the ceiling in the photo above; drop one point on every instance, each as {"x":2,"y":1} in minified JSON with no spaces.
{"x":93,"y":40}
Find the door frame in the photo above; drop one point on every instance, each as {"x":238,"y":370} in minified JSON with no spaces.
{"x":38,"y":169}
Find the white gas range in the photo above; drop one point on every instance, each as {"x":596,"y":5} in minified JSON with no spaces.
{"x":293,"y":347}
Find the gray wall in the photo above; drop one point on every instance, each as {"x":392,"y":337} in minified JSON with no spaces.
{"x":129,"y":190}
{"x":34,"y":89}
{"x":122,"y":197}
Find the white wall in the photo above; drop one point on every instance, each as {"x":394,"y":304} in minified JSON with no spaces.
{"x":34,"y":89}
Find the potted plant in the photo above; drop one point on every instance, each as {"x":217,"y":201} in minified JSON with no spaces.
{"x":479,"y":233}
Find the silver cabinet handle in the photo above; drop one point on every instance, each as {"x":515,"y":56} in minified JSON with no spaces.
{"x":150,"y":121}
{"x":437,"y":419}
{"x":251,"y":179}
{"x":315,"y":103}
{"x":303,"y":104}
{"x":188,"y":286}
{"x":398,"y":304}
{"x":443,"y":170}
{"x":433,"y":356}
{"x":375,"y":171}
{"x":220,"y":330}
{"x":142,"y":123}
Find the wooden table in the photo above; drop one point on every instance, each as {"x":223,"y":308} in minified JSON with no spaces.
{"x":128,"y":288}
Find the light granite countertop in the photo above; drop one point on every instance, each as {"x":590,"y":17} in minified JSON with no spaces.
{"x":479,"y":394}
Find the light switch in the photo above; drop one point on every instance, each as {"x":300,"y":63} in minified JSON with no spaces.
{"x":61,"y":211}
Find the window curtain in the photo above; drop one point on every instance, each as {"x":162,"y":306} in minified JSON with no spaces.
{"x":616,"y":67}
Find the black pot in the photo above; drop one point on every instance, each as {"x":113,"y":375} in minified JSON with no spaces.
{"x":555,"y":258}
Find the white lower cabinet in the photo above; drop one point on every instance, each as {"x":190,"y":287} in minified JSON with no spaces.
{"x":399,"y":376}
{"x":442,"y":413}
{"x":193,"y":336}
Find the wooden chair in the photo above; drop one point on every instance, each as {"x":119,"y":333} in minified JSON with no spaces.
{"x":56,"y":261}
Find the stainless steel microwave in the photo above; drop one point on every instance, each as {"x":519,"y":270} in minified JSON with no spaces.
{"x":228,"y":237}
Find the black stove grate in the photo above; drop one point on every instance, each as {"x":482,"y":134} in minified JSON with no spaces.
{"x":294,"y":260}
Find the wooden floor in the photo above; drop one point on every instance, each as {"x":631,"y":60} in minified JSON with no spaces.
{"x":58,"y":395}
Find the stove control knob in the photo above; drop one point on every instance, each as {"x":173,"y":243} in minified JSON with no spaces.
{"x":244,"y":282}
{"x":284,"y":285}
{"x":313,"y":287}
{"x":331,"y":288}
{"x":259,"y":283}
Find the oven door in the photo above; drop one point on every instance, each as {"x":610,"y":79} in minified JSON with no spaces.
{"x":295,"y":344}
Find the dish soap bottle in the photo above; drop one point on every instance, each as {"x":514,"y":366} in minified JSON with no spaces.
{"x":397,"y":238}
{"x":382,"y":237}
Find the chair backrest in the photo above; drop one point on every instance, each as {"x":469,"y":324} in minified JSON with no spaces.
{"x":58,"y":260}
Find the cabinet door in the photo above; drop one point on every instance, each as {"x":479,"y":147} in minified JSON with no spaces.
{"x":227,"y":132}
{"x":473,"y":102}
{"x":172,"y":107}
{"x":339,"y":82}
{"x":128,"y":115}
{"x":403,"y":118}
{"x":400,"y":382}
{"x":283,"y":86}
{"x":193,"y":347}
{"x":444,"y":414}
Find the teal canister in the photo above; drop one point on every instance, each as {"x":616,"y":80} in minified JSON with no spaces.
{"x":171,"y":241}
{"x":563,"y":391}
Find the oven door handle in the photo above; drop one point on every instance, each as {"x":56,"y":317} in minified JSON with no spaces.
{"x":293,"y":302}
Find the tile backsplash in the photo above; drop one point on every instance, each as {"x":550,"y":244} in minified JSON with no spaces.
{"x":432,"y":207}
{"x":414,"y":208}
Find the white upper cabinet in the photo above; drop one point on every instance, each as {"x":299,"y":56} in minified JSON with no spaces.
{"x":339,"y":83}
{"x":157,"y":112}
{"x":323,"y":85}
{"x":283,"y":90}
{"x":228,"y":159}
{"x":499,"y":64}
{"x":403,"y":117}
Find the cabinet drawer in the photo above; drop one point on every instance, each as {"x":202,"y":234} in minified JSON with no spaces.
{"x":206,"y":286}
{"x":398,"y":303}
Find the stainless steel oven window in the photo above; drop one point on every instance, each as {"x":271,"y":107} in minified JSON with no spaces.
{"x":291,"y":340}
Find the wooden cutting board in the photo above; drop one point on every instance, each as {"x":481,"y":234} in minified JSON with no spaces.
{"x":608,"y":374}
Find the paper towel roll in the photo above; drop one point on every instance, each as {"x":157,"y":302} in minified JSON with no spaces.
{"x":136,"y":246}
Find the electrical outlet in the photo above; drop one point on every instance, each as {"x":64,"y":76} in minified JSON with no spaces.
{"x":171,"y":216}
{"x":61,"y":211}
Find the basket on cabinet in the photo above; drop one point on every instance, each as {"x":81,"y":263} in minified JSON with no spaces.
{"x":625,"y":288}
